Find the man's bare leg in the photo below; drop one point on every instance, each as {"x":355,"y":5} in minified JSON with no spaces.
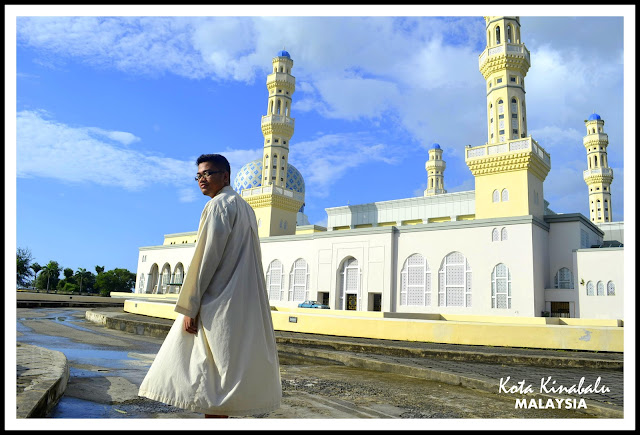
{"x":215,"y":416}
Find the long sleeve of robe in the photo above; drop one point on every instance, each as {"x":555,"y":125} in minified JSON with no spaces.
{"x":230,"y":367}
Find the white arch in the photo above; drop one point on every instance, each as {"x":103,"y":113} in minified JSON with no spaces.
{"x":501,"y":287}
{"x":349,"y":283}
{"x":415,"y":285}
{"x":454,"y":281}
{"x":299,"y":280}
{"x":274,"y":280}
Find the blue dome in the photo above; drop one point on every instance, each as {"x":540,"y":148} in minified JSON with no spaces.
{"x":435,"y":146}
{"x":283,"y":53}
{"x":250,"y":175}
{"x":594,"y":117}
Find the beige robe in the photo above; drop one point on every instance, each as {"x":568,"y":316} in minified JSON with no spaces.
{"x":231,"y":366}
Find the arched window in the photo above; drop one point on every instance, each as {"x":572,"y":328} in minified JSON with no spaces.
{"x":600,"y":288}
{"x":589,"y":288}
{"x":564,"y":279}
{"x":416,"y":282}
{"x":505,"y":195}
{"x":503,"y":234}
{"x":497,"y":34}
{"x":349,"y":286}
{"x":299,"y":280}
{"x":278,"y":108}
{"x":166,"y":276}
{"x":274,"y":280}
{"x":495,"y":235}
{"x":178,"y":277}
{"x":501,"y":287}
{"x":454,"y":281}
{"x":496,"y":196}
{"x":152,"y":287}
{"x":509,"y":33}
{"x":611,"y":289}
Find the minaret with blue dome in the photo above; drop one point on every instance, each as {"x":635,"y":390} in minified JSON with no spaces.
{"x":435,"y":167}
{"x":599,"y":175}
{"x":273,"y":187}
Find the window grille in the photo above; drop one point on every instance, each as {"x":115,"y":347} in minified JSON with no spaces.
{"x":505,"y":195}
{"x":611,"y":289}
{"x":496,"y":196}
{"x":495,"y":235}
{"x":501,"y":287}
{"x":600,"y":288}
{"x":299,"y":280}
{"x":274,"y":280}
{"x":415,"y":282}
{"x":141,"y":281}
{"x":564,"y":279}
{"x":504,"y":234}
{"x":349,"y":280}
{"x":589,"y":288}
{"x":454,"y":281}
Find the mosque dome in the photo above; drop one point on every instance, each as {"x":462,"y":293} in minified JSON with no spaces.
{"x":435,"y":146}
{"x":283,"y":53}
{"x":250,"y":175}
{"x":594,"y":117}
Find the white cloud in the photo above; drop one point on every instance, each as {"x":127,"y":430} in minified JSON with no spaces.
{"x":50,"y":149}
{"x":327,"y":159}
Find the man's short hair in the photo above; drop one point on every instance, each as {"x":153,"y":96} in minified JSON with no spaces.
{"x":219,"y":161}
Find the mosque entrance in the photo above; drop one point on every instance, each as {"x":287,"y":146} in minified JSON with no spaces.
{"x":352,"y":302}
{"x":560,"y":309}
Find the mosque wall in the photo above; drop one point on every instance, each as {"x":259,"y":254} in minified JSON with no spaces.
{"x":600,"y":282}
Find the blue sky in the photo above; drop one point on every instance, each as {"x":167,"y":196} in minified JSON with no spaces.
{"x":111,"y":111}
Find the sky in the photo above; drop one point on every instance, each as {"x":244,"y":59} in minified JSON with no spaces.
{"x":107,"y":109}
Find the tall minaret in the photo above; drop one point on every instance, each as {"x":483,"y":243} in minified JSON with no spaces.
{"x":599,"y":175}
{"x":435,"y":167}
{"x":275,"y":206}
{"x":504,"y":63}
{"x":510,"y":168}
{"x":277,"y":124}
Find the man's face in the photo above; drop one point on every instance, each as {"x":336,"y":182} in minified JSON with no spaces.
{"x":211,"y":184}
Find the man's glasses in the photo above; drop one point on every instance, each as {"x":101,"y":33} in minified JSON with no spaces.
{"x":206,"y":174}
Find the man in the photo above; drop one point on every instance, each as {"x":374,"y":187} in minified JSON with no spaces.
{"x":220,"y":356}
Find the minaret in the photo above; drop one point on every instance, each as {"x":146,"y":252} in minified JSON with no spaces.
{"x":504,"y":63}
{"x":276,"y":207}
{"x":277,"y":124}
{"x":599,"y":175}
{"x":435,"y":167}
{"x":510,"y":168}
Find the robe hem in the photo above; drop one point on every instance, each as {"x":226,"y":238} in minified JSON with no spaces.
{"x":210,"y":411}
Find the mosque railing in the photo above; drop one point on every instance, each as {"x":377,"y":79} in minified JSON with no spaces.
{"x":260,"y":190}
{"x":500,"y":49}
{"x":598,"y":171}
{"x":516,"y":145}
{"x":280,"y":119}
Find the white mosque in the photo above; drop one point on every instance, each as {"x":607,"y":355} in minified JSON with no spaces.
{"x":497,"y":250}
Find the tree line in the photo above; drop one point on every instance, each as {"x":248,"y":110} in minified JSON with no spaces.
{"x":47,"y":277}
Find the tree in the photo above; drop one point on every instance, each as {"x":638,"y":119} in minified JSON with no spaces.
{"x":23,"y":271}
{"x":116,"y":280}
{"x":99,"y":269}
{"x":36,"y":268}
{"x":50,"y":275}
{"x":82,"y":275}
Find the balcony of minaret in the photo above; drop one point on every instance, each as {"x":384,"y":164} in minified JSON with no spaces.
{"x":280,"y":78}
{"x":516,"y":52}
{"x":508,"y":156}
{"x":278,"y":124}
{"x":598,"y":175}
{"x":595,"y":139}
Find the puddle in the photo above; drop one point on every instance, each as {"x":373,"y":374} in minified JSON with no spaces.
{"x":70,"y":407}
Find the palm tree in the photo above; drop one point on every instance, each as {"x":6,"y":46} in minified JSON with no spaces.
{"x":36,"y":268}
{"x":80,"y":274}
{"x":52,"y":268}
